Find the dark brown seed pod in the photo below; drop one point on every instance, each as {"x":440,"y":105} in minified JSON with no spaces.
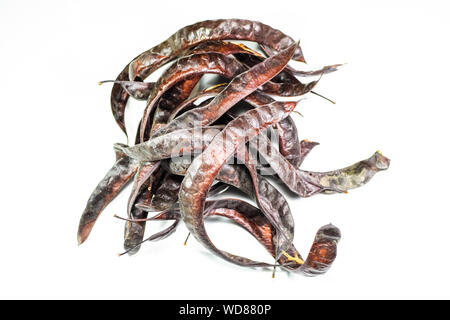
{"x":173,"y":144}
{"x":351,"y":177}
{"x":204,"y":168}
{"x":171,"y":99}
{"x":239,"y":88}
{"x":306,"y":183}
{"x":167,"y":194}
{"x":274,"y":206}
{"x":322,"y":252}
{"x":226,"y":29}
{"x":134,"y":231}
{"x":234,"y":29}
{"x":184,"y":68}
{"x":225,"y":48}
{"x":107,"y":189}
{"x":296,"y":180}
{"x":233,"y":174}
{"x":289,"y":144}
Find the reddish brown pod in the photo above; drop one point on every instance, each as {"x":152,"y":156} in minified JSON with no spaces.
{"x":199,"y":139}
{"x":235,"y":29}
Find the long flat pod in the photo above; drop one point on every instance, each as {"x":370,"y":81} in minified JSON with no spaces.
{"x":171,"y":99}
{"x":235,"y":175}
{"x":353,"y":176}
{"x":224,"y":29}
{"x":285,"y":84}
{"x":187,"y":67}
{"x":142,"y":176}
{"x":134,"y":231}
{"x":289,"y":143}
{"x":239,"y":88}
{"x":288,"y":89}
{"x":234,"y":29}
{"x":306,"y":183}
{"x":272,"y":203}
{"x":296,"y":180}
{"x":321,"y":255}
{"x":251,"y":57}
{"x":223,"y":47}
{"x":107,"y":189}
{"x":171,"y":214}
{"x":205,"y":167}
{"x":172,"y":144}
{"x":253,"y":220}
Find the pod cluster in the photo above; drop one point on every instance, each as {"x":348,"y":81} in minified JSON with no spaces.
{"x":196,"y":141}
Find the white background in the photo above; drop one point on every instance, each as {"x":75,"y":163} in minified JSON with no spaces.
{"x":57,"y":134}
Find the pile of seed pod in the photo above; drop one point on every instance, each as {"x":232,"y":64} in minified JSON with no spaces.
{"x":194,"y":142}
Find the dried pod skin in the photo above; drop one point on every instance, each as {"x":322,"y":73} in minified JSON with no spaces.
{"x":172,"y":144}
{"x":256,"y":225}
{"x":306,"y":183}
{"x":288,"y":89}
{"x":289,"y":144}
{"x":204,"y":169}
{"x":224,"y":47}
{"x":138,"y":90}
{"x":285,"y":84}
{"x":187,"y":104}
{"x":171,"y":99}
{"x":251,"y":219}
{"x":167,"y":194}
{"x":141,"y":177}
{"x":107,"y":189}
{"x":323,"y":70}
{"x":134,"y":231}
{"x":323,"y":251}
{"x":353,"y":176}
{"x":305,"y":147}
{"x":156,"y":237}
{"x":239,"y":88}
{"x":250,"y":60}
{"x":118,"y":150}
{"x":288,"y":139}
{"x":225,"y":29}
{"x":274,"y":206}
{"x":296,"y":180}
{"x":187,"y":37}
{"x":188,"y":67}
{"x":232,"y":174}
